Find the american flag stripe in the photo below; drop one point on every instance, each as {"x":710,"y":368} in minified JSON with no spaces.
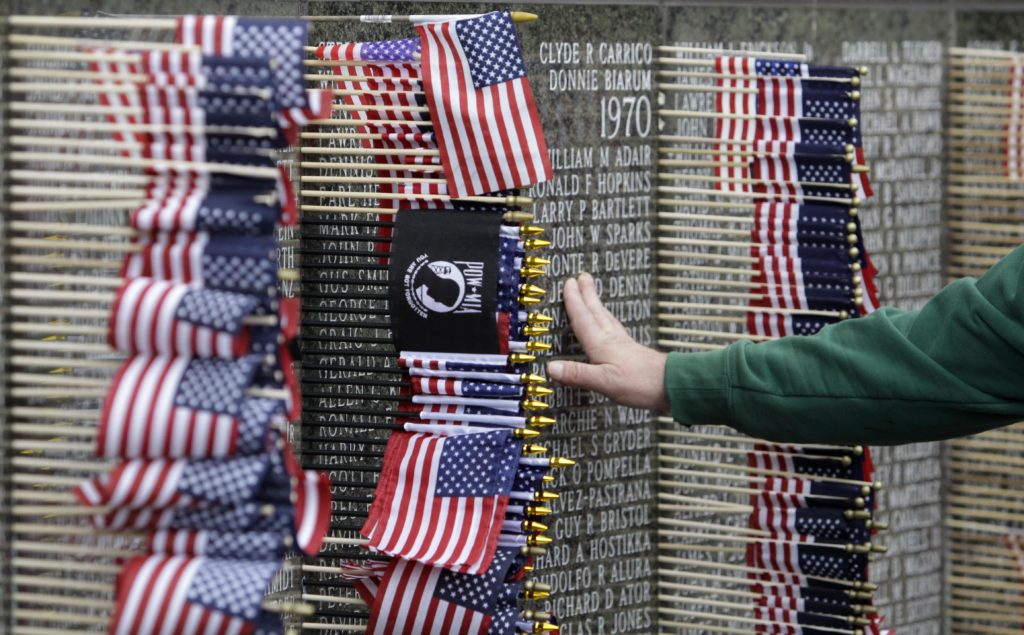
{"x":313,"y":511}
{"x":134,"y":404}
{"x":780,"y":97}
{"x":728,"y":128}
{"x":166,"y":256}
{"x":187,"y":542}
{"x":143,"y":320}
{"x":210,"y":32}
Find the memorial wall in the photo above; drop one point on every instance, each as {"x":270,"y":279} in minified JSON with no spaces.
{"x":593,"y":69}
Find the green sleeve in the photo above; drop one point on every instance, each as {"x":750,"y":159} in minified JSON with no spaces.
{"x":953,"y":368}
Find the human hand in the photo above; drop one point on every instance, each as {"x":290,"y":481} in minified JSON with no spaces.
{"x":620,"y":368}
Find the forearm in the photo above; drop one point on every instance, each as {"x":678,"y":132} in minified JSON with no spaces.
{"x":953,"y":368}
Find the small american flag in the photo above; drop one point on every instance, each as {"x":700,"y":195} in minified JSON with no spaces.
{"x":162,"y":317}
{"x":432,"y":487}
{"x":465,"y":388}
{"x":481,"y":104}
{"x":789,"y":521}
{"x":163,"y":483}
{"x":229,"y":263}
{"x":482,"y":604}
{"x":791,"y":224}
{"x":243,"y":545}
{"x":151,"y":392}
{"x":204,"y":435}
{"x":765,"y":457}
{"x":807,"y":560}
{"x":281,"y":41}
{"x":179,"y":594}
{"x":189,"y":205}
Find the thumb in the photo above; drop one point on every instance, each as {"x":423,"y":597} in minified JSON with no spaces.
{"x":587,"y":376}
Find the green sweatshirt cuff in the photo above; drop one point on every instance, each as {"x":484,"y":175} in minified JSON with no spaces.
{"x":697,"y":387}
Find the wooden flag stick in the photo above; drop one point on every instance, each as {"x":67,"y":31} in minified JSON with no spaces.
{"x":702,"y":163}
{"x":712,"y":334}
{"x":703,"y":88}
{"x":714,"y":141}
{"x":747,"y":154}
{"x":959,"y":131}
{"x":665,"y":112}
{"x":701,"y":317}
{"x":680,"y":434}
{"x":733,"y":308}
{"x":746,"y":571}
{"x":845,"y":187}
{"x":743,"y":272}
{"x":115,"y":161}
{"x":664,"y":189}
{"x":107,"y":144}
{"x":359,"y":123}
{"x":796,"y":57}
{"x":103,"y":126}
{"x":511,"y":201}
{"x":756,"y":622}
{"x":853,"y":81}
{"x":706,"y":257}
{"x":732,"y":244}
{"x":996,"y":239}
{"x":986,"y":191}
{"x":982,"y":179}
{"x":737,"y":580}
{"x":748,"y":491}
{"x":337,"y":165}
{"x":743,"y":468}
{"x":855,"y":450}
{"x":79,"y":177}
{"x":417,"y":152}
{"x":705,"y":204}
{"x":369,"y":136}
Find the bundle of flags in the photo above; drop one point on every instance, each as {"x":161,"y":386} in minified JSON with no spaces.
{"x":448,"y":121}
{"x":806,"y":174}
{"x":783,"y":234}
{"x":807,"y":177}
{"x":815,"y":522}
{"x":197,"y":414}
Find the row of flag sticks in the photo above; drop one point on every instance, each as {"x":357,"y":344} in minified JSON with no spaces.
{"x":984,"y":509}
{"x":152,"y":359}
{"x":761,"y":178}
{"x":152,"y":380}
{"x":460,"y":554}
